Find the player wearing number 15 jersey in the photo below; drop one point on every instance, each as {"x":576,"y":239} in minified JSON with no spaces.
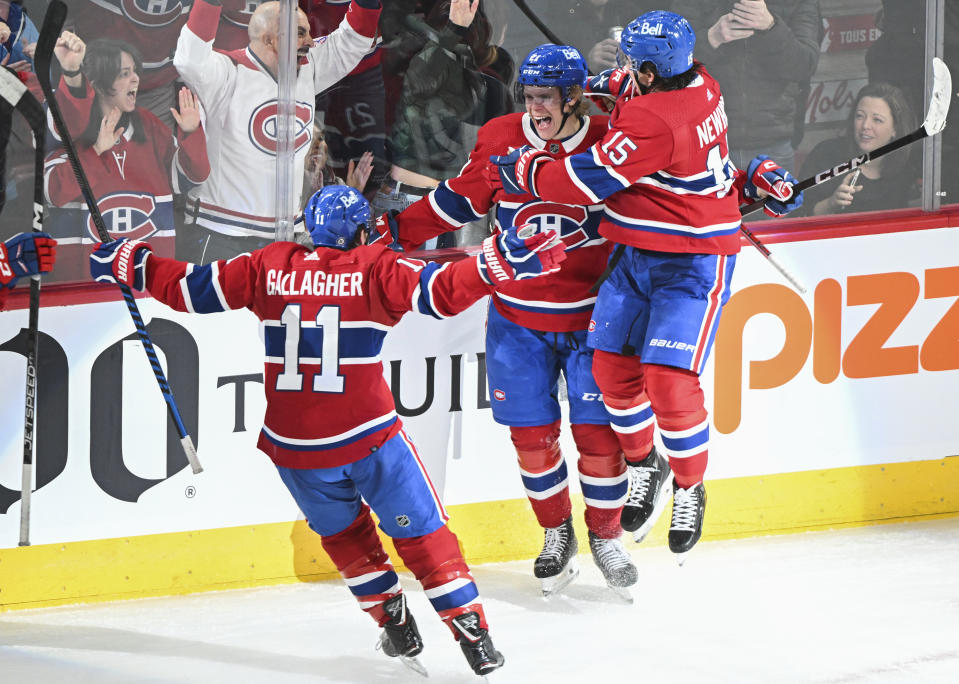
{"x":672,"y":203}
{"x":331,"y":426}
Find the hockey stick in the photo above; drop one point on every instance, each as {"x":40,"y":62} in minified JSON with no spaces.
{"x":934,"y":122}
{"x":753,"y":240}
{"x":49,"y":33}
{"x":15,"y":92}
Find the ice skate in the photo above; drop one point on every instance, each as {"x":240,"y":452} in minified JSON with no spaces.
{"x":400,"y":638}
{"x":556,"y":566}
{"x":616,"y":565}
{"x":689,"y":508}
{"x":477,"y":646}
{"x":649,"y":487}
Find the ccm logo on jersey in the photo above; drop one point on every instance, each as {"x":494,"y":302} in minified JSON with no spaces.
{"x":592,"y":396}
{"x":152,"y":13}
{"x":672,"y":344}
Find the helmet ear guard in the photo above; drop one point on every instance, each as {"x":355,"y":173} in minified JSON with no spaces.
{"x":335,"y":215}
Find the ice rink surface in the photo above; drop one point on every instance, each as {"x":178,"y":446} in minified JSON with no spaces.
{"x":873,"y":604}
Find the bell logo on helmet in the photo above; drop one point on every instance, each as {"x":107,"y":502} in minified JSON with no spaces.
{"x":648,"y":29}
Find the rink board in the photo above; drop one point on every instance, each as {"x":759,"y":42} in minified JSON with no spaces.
{"x":829,"y":409}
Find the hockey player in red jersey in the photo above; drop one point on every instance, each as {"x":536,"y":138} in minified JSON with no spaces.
{"x":331,"y":426}
{"x":24,"y":255}
{"x":537,"y":331}
{"x":672,"y":203}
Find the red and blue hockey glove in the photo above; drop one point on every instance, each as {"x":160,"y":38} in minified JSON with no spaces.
{"x":26,"y":254}
{"x":766,"y":178}
{"x":121,"y":261}
{"x":520,"y":253}
{"x":607,"y":86}
{"x":386,"y":231}
{"x":515,"y":171}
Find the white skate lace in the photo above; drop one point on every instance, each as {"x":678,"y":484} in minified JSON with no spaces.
{"x":640,"y":478}
{"x":610,"y":553}
{"x":685,"y":505}
{"x":554,"y":542}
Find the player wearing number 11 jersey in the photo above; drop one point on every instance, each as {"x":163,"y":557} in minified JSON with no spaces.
{"x":331,"y":426}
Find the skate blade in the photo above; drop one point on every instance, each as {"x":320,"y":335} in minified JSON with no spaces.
{"x":414,"y":664}
{"x":554,"y":585}
{"x":681,"y":557}
{"x":664,"y":495}
{"x":622,"y":593}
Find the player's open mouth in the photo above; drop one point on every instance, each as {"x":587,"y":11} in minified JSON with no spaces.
{"x":543,"y":123}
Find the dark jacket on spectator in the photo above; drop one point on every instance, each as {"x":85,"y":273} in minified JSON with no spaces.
{"x":762,"y":76}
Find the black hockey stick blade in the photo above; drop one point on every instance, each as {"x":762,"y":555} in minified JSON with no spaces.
{"x":934,"y":122}
{"x":13,"y":90}
{"x":49,"y":33}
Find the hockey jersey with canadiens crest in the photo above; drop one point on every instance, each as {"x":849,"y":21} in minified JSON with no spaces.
{"x":558,"y":302}
{"x":663,"y":170}
{"x":324,"y":316}
{"x":239,"y":97}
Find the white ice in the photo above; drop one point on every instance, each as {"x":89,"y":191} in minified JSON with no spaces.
{"x":875,"y":604}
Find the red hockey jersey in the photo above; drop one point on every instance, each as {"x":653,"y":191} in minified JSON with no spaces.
{"x":326,"y":15}
{"x":133,"y":183}
{"x":324,"y":314}
{"x":559,"y":302}
{"x":153,"y":27}
{"x":663,"y":170}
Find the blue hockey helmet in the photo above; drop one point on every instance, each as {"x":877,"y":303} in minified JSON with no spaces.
{"x":664,"y":38}
{"x":559,"y":66}
{"x":334,"y":216}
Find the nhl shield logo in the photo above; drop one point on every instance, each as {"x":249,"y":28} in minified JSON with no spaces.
{"x":554,"y":148}
{"x":403,"y":520}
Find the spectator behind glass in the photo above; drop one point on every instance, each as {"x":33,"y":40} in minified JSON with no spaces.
{"x":132,"y":160}
{"x":233,"y":33}
{"x":234,"y":211}
{"x":444,"y":100}
{"x":18,"y":36}
{"x":153,"y":27}
{"x":319,"y":174}
{"x":586,"y":25}
{"x":881,"y":114}
{"x":354,"y":109}
{"x":763,"y":53}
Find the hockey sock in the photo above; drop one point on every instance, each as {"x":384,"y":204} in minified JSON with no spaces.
{"x":680,"y":410}
{"x":602,"y":477}
{"x":543,"y":470}
{"x":359,"y":556}
{"x":622,"y":382}
{"x":435,"y":560}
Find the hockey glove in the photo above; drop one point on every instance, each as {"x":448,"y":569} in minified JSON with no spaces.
{"x":386,"y":231}
{"x":520,"y":253}
{"x":766,"y":178}
{"x":515,"y":171}
{"x":606,"y":87}
{"x":26,"y":254}
{"x":121,"y":261}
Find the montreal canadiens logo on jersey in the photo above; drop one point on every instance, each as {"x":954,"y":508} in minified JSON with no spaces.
{"x":153,"y":13}
{"x":126,"y":215}
{"x":574,"y":224}
{"x":263,"y":126}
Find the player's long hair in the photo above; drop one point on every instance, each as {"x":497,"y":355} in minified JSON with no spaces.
{"x":101,"y":66}
{"x":677,"y":82}
{"x":903,"y":120}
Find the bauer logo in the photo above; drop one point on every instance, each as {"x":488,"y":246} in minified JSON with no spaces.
{"x":126,"y":216}
{"x":152,"y":13}
{"x":499,"y":395}
{"x":264,"y":126}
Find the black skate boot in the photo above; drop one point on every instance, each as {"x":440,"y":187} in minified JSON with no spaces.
{"x":556,"y":564}
{"x":477,"y":646}
{"x":400,"y":637}
{"x":689,"y":507}
{"x":649,"y":487}
{"x":616,"y":565}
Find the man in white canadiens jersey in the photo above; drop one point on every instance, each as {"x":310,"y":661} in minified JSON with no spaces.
{"x":331,"y":426}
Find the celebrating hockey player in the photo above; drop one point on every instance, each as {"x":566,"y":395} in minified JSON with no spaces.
{"x":24,"y":254}
{"x":672,"y":203}
{"x":331,"y":426}
{"x":537,"y":331}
